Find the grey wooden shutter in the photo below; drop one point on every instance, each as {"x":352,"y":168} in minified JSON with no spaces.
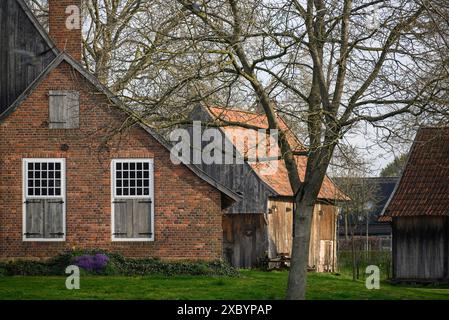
{"x":64,"y":109}
{"x":34,"y":216}
{"x":123,"y":217}
{"x":57,"y":111}
{"x":142,"y":218}
{"x":53,"y":219}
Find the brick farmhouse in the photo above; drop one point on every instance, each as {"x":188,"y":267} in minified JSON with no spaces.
{"x":69,"y":178}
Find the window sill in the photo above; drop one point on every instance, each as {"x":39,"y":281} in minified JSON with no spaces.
{"x":133,"y":240}
{"x":44,"y":240}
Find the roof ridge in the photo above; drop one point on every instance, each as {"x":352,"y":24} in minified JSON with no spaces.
{"x":233,"y":109}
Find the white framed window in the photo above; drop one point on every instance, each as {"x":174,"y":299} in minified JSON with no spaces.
{"x":44,"y":211}
{"x":132,"y":182}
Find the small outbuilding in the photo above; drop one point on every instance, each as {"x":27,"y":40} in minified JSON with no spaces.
{"x":419,"y":211}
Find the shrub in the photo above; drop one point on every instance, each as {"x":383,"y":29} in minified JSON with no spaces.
{"x":25,"y":268}
{"x":92,"y":263}
{"x":99,"y":262}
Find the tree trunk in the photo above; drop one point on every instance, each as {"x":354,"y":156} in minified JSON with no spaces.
{"x":346,"y":226}
{"x":367,"y":237}
{"x":300,"y":251}
{"x":354,"y":258}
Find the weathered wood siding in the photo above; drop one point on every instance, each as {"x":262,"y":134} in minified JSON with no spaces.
{"x":240,"y":178}
{"x":420,"y":248}
{"x":322,"y":254}
{"x":17,"y":69}
{"x":280,"y":227}
{"x":244,"y":239}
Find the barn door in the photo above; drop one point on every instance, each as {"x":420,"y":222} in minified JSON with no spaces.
{"x":326,"y":256}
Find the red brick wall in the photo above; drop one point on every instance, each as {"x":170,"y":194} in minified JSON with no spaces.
{"x":187,"y":209}
{"x":67,"y":40}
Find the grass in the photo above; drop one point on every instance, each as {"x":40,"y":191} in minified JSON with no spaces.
{"x":251,"y":285}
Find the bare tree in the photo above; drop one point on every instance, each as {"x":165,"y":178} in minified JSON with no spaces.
{"x":358,"y":71}
{"x":331,"y":66}
{"x":351,"y":170}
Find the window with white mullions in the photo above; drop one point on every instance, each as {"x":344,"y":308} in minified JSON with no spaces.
{"x":132,"y":179}
{"x":44,"y":179}
{"x":132,"y":193}
{"x":44,"y":199}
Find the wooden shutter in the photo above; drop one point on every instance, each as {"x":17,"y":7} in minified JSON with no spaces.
{"x":123,"y":218}
{"x":53,"y":219}
{"x":57,"y":112}
{"x":64,"y":109}
{"x":132,"y":219}
{"x":34,"y":219}
{"x":142,"y":218}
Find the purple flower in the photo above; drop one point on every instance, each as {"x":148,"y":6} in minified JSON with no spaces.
{"x":92,"y":263}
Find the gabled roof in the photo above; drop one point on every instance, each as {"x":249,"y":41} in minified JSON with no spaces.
{"x":423,"y":189}
{"x":93,"y":80}
{"x":277,"y":178}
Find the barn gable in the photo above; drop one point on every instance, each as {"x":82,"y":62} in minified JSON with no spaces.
{"x":240,"y":178}
{"x":276,"y":180}
{"x":25,"y":50}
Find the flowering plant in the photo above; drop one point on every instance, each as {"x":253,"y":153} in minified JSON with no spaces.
{"x":94,"y":263}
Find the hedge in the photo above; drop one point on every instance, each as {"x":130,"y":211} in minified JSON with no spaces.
{"x":116,"y":265}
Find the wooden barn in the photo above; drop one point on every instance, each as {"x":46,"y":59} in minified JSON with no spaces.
{"x":259,"y":227}
{"x":419,"y":211}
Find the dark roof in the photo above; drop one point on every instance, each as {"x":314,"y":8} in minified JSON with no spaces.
{"x":231,"y":195}
{"x":382,"y":187}
{"x":423,"y":189}
{"x":374,"y":229}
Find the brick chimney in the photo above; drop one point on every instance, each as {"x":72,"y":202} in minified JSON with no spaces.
{"x":64,"y":21}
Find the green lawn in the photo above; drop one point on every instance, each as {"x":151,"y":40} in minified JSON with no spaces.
{"x":251,"y":285}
